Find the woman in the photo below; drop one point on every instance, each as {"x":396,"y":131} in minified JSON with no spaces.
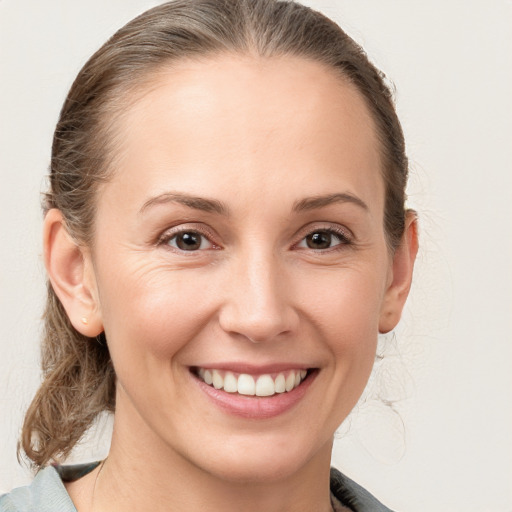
{"x":225,"y":237}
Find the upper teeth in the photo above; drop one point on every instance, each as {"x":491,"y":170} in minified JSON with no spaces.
{"x":245,"y":384}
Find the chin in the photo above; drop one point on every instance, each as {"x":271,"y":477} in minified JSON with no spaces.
{"x":261,"y":462}
{"x":255,"y":471}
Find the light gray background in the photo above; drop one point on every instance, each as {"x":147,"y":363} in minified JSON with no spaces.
{"x":450,"y":448}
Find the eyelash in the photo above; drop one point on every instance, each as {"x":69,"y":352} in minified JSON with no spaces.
{"x":165,"y":239}
{"x":341,"y":234}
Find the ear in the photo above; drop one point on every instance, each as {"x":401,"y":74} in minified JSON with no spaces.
{"x":401,"y":275}
{"x":71,"y":274}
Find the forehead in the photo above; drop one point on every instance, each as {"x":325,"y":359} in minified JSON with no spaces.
{"x":250,"y":122}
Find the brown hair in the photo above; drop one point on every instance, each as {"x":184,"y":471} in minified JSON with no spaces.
{"x":78,"y":377}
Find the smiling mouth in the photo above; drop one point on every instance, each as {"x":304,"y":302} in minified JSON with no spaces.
{"x":264,"y":385}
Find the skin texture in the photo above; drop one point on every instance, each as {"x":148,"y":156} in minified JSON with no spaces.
{"x":259,"y":136}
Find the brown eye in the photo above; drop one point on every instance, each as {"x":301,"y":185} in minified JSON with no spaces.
{"x":323,"y":239}
{"x":189,"y":241}
{"x":319,"y":240}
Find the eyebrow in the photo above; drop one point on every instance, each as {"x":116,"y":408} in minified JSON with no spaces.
{"x":197,"y":203}
{"x":215,"y":206}
{"x":311,"y":203}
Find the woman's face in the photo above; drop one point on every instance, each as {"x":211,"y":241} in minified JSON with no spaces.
{"x":241,"y":239}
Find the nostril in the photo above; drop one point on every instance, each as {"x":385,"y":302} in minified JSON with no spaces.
{"x":258,"y":327}
{"x":263,"y":337}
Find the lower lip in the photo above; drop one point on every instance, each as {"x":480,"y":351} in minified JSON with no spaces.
{"x":255,"y":407}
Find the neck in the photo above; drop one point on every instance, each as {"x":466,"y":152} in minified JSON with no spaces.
{"x":141,"y":474}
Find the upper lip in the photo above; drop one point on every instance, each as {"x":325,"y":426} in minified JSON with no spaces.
{"x":252,"y":369}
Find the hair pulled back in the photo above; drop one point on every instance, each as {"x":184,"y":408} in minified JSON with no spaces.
{"x":78,"y":377}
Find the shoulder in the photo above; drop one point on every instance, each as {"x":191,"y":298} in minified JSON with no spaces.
{"x":352,"y":495}
{"x":46,"y":493}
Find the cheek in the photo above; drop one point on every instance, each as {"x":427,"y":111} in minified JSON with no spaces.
{"x":348,"y":302}
{"x":149,"y":316}
{"x":345,"y":312}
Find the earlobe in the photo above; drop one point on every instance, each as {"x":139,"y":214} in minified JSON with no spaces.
{"x":71,"y":275}
{"x":402,"y":269}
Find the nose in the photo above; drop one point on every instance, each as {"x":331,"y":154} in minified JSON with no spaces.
{"x":257,"y":303}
